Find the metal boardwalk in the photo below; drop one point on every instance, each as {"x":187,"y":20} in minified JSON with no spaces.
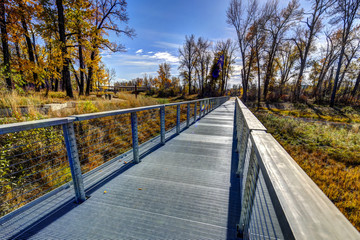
{"x":186,"y":189}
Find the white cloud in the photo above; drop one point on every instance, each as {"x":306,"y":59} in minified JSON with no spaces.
{"x":237,"y":70}
{"x":165,"y":56}
{"x":150,"y":52}
{"x":167,"y":45}
{"x":139,"y":63}
{"x":139,"y":51}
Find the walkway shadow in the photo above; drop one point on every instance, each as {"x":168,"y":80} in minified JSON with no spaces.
{"x":66,"y":207}
{"x":318,"y":112}
{"x":234,"y":193}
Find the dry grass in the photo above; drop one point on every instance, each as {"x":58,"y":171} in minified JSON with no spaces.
{"x":14,"y":103}
{"x":346,"y":114}
{"x":329,"y":154}
{"x":34,"y":162}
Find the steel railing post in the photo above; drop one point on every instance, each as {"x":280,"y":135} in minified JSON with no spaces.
{"x":162,"y":124}
{"x":249,"y":194}
{"x":195,"y":111}
{"x":206,"y":106}
{"x":135,"y":139}
{"x":188,"y":115}
{"x":73,"y":157}
{"x":178,"y":119}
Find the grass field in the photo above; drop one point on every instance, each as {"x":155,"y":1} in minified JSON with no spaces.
{"x":328,"y":152}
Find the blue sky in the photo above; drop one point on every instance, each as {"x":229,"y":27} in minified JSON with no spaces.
{"x":161,"y":26}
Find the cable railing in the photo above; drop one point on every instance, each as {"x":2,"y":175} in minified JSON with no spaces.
{"x":279,"y":201}
{"x":40,"y":158}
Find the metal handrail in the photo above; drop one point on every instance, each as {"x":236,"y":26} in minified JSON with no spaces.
{"x":68,"y":145}
{"x":279,"y":200}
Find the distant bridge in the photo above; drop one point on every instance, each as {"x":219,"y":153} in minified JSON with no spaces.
{"x":123,"y":88}
{"x":203,"y":169}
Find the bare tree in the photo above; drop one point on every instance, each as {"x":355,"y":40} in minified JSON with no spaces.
{"x":286,"y":61}
{"x":305,"y":37}
{"x":188,"y":58}
{"x":277,"y":25}
{"x":347,"y":12}
{"x":330,"y":54}
{"x":241,"y":17}
{"x":203,"y":62}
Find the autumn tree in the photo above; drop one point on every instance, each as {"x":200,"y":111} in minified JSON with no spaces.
{"x":164,"y":76}
{"x":5,"y":43}
{"x":107,"y":17}
{"x":62,"y":37}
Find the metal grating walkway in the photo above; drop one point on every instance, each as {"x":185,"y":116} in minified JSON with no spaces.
{"x":186,"y":189}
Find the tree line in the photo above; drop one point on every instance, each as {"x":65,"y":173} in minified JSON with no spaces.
{"x":205,"y":68}
{"x":292,"y":53}
{"x":46,"y":43}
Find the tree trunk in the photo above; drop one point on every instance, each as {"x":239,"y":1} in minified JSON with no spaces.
{"x":299,"y":80}
{"x":353,"y":92}
{"x":5,"y":45}
{"x":30,"y":51}
{"x":90,"y":74}
{"x":333,"y":95}
{"x":65,"y":71}
{"x":259,"y":83}
{"x":56,"y":88}
{"x":17,"y":49}
{"x":189,"y":76}
{"x":269,"y":68}
{"x":81,"y":62}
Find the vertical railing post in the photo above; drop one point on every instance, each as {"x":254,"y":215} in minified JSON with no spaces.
{"x":178,"y":119}
{"x":73,"y":157}
{"x":195,"y":111}
{"x":206,"y":106}
{"x":162,"y":124}
{"x":188,"y":115}
{"x":201,"y":109}
{"x":249,"y":194}
{"x":135,"y":140}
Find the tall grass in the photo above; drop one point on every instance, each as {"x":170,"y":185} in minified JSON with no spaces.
{"x":329,"y":154}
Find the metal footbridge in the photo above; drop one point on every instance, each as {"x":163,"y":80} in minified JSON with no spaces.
{"x":204,"y":169}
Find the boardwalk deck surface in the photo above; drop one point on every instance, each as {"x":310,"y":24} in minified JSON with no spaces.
{"x":186,"y":189}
